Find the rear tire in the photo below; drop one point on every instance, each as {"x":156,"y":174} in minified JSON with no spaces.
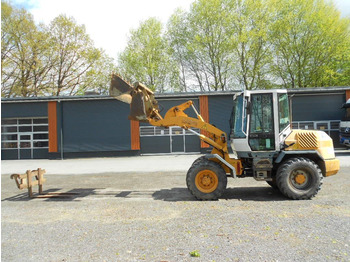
{"x":299,"y":178}
{"x":206,"y":179}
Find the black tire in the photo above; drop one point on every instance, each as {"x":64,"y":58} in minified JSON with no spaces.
{"x":299,"y":178}
{"x":202,"y":158}
{"x":199,"y":159}
{"x":206,"y":180}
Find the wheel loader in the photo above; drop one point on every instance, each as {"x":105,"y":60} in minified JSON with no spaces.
{"x":264,"y":145}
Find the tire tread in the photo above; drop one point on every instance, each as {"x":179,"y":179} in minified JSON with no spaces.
{"x":203,"y":161}
{"x":283,"y":171}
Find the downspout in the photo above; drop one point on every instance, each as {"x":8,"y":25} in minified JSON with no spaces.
{"x":62,"y":145}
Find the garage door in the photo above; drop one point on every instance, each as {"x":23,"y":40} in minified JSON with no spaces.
{"x":172,"y":140}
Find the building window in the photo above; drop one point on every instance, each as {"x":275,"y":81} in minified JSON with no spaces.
{"x":24,"y":133}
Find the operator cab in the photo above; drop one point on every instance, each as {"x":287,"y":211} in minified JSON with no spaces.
{"x":260,"y":122}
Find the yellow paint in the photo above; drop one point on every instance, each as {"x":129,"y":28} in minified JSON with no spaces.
{"x":206,"y":181}
{"x":332,"y":167}
{"x":178,"y":110}
{"x":303,"y":140}
{"x":236,"y":163}
{"x":300,"y":179}
{"x":318,"y":141}
{"x":176,"y":117}
{"x":311,"y":140}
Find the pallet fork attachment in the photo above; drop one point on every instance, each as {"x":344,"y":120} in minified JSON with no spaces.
{"x":36,"y":177}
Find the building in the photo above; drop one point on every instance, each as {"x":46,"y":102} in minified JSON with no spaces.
{"x":97,"y":126}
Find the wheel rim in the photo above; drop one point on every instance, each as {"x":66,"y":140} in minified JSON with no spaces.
{"x":300,"y":179}
{"x":206,"y":181}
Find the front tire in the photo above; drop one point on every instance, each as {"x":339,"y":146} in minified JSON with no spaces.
{"x":206,"y":180}
{"x":299,"y":178}
{"x":199,"y":159}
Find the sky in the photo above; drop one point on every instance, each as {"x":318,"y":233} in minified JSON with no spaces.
{"x":108,"y":22}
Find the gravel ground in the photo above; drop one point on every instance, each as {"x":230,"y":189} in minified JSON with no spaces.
{"x":150,"y":216}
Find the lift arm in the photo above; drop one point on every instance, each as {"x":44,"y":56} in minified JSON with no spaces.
{"x":144,"y":107}
{"x":177,"y":117}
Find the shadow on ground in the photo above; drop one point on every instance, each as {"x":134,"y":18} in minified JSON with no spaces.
{"x":172,"y":195}
{"x":238,"y":193}
{"x":71,"y":195}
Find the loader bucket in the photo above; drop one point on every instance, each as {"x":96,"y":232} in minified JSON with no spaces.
{"x":120,"y":89}
{"x":137,"y":107}
{"x":143,"y":105}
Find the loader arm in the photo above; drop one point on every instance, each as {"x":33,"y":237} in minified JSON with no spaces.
{"x":144,"y":107}
{"x":177,"y":117}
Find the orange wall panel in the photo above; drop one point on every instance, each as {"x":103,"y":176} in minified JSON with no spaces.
{"x":135,"y":135}
{"x":52,"y":119}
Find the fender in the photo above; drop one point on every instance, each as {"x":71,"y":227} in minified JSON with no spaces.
{"x":282,"y":154}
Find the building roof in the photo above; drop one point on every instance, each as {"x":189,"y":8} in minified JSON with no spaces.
{"x":315,"y":90}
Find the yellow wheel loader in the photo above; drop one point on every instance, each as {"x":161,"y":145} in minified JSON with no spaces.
{"x":263,"y":143}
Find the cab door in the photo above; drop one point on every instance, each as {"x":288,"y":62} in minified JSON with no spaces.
{"x":262,"y":130}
